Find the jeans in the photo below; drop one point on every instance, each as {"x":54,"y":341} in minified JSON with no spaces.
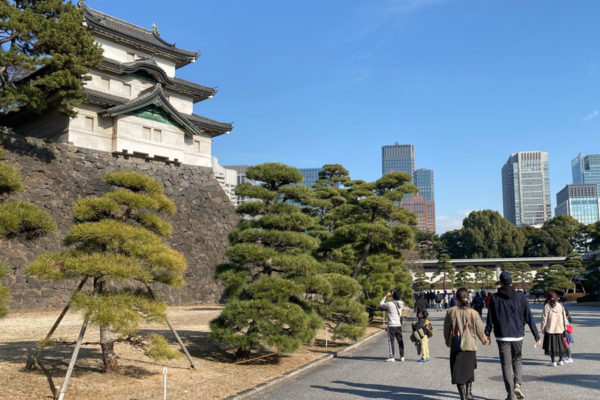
{"x":511,"y":361}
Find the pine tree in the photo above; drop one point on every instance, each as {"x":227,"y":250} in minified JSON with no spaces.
{"x":45,"y":53}
{"x":271,"y":270}
{"x":484,"y":277}
{"x":421,"y":282}
{"x":445,"y":271}
{"x":464,"y":277}
{"x":522,"y":274}
{"x":117,"y":243}
{"x":575,"y":269}
{"x":17,"y":220}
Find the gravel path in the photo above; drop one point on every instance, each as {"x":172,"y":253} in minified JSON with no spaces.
{"x":363,"y":373}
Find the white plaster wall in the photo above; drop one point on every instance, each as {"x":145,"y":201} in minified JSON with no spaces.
{"x":118,"y":52}
{"x":183,"y":104}
{"x":99,"y":138}
{"x":130,"y":136}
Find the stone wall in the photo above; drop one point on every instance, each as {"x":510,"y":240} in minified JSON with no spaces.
{"x":56,"y":175}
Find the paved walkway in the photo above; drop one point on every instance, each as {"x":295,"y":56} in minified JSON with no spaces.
{"x":363,"y":374}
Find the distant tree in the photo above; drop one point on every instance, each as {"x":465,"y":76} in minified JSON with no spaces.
{"x":553,"y":277}
{"x":557,"y":237}
{"x":593,"y":230}
{"x":487,"y":234}
{"x":509,"y":267}
{"x":484,"y":277}
{"x":421,"y":282}
{"x":46,"y":43}
{"x":20,"y":220}
{"x":464,"y":277}
{"x":575,"y":270}
{"x":445,"y":271}
{"x":117,"y":242}
{"x":453,"y":243}
{"x":428,"y":243}
{"x":522,"y":274}
{"x":592,"y":277}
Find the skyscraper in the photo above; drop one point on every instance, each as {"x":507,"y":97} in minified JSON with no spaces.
{"x":310,"y":175}
{"x":423,"y":180}
{"x":526,"y":188}
{"x":580,"y":202}
{"x":398,"y":158}
{"x":402,"y":158}
{"x":586,"y":169}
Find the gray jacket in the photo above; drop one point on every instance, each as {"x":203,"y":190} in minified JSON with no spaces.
{"x":394,"y":310}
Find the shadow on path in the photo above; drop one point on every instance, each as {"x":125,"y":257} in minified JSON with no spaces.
{"x":586,"y":381}
{"x":373,"y":391}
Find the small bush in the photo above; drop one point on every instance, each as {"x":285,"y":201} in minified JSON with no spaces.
{"x":573,"y":296}
{"x":159,"y":348}
{"x":10,"y":179}
{"x":23,"y":219}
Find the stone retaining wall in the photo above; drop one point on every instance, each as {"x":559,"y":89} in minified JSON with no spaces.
{"x":56,"y":175}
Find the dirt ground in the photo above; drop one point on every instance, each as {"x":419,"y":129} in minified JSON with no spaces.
{"x":217,"y":376}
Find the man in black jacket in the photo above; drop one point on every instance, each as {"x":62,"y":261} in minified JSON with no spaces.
{"x":507,"y":313}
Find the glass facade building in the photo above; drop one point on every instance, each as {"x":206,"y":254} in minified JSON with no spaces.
{"x":424,"y":209}
{"x":310,"y":175}
{"x":398,"y":158}
{"x":423,"y":179}
{"x":526,"y":188}
{"x":580,"y":202}
{"x":586,"y":169}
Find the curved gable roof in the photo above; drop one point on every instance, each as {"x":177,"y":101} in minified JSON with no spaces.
{"x":148,"y":65}
{"x":129,"y":33}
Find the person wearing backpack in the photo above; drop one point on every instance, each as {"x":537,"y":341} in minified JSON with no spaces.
{"x":394,"y":329}
{"x":428,"y":332}
{"x":462,"y":327}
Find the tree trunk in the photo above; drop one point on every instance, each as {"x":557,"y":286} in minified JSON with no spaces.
{"x":107,"y":342}
{"x":364,"y":256}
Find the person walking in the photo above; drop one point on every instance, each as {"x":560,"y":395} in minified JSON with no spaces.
{"x":420,"y":305}
{"x":462,"y":327}
{"x":394,"y":329}
{"x":478,"y":304}
{"x":554,"y":326}
{"x":428,"y":330}
{"x":507,"y":314}
{"x":569,"y":337}
{"x":438,"y":301}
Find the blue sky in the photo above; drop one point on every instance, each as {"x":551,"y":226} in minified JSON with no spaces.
{"x":468,"y":82}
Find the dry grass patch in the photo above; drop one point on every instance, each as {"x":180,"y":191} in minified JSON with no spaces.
{"x":139,"y":377}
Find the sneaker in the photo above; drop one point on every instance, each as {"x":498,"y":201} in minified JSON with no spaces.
{"x":569,"y":360}
{"x":402,"y":359}
{"x":427,"y":359}
{"x":391,"y":359}
{"x":518,"y":392}
{"x":422,"y":360}
{"x":561,"y":362}
{"x":552,"y":364}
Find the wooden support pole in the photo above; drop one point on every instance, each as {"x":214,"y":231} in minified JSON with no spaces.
{"x":63,"y":389}
{"x":187,"y":354}
{"x":32,"y":361}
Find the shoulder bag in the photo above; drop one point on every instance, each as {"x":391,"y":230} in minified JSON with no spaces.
{"x":457,"y":340}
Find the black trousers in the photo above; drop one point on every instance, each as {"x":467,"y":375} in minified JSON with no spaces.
{"x":395,"y":332}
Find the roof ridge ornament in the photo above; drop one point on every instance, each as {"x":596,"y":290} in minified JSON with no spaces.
{"x":155,"y":28}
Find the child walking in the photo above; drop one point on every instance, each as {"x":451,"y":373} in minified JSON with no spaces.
{"x":425,"y":325}
{"x":569,"y":336}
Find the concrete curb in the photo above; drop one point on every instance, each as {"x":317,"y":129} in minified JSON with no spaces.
{"x":244,"y":394}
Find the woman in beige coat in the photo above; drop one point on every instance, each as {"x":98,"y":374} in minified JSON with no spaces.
{"x":464,"y":361}
{"x":554,"y":321}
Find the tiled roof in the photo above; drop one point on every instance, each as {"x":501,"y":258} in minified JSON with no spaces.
{"x":197,"y":92}
{"x":192,"y":123}
{"x":127,"y":32}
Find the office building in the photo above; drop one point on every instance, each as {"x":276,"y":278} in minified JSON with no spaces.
{"x":241,"y":178}
{"x":398,"y":158}
{"x":526,"y":188}
{"x":424,"y":209}
{"x":586,"y":169}
{"x":580,"y":202}
{"x":310,"y":175}
{"x":423,"y":180}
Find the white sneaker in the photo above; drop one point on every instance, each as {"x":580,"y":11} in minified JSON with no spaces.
{"x":552,"y":364}
{"x":561,"y":363}
{"x":402,"y":359}
{"x":569,"y":360}
{"x":390,"y":359}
